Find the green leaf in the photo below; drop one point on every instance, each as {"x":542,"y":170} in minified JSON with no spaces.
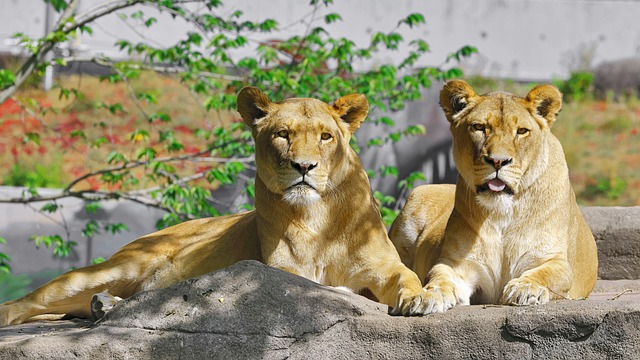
{"x":386,"y":121}
{"x":395,"y":137}
{"x":99,"y":142}
{"x":268,"y":25}
{"x":150,"y":21}
{"x":375,"y":142}
{"x":174,"y":146}
{"x":98,"y":260}
{"x":3,"y":240}
{"x":413,"y":130}
{"x":389,"y":171}
{"x":410,"y":180}
{"x":413,"y":20}
{"x":388,"y":215}
{"x":58,"y":5}
{"x":92,"y":207}
{"x":50,"y":207}
{"x":78,"y":133}
{"x":115,"y":157}
{"x":331,"y":18}
{"x":7,"y":78}
{"x":63,"y":248}
{"x":383,"y":199}
{"x":86,"y":29}
{"x":250,"y":189}
{"x":371,"y":174}
{"x":137,"y":15}
{"x":463,"y":52}
{"x":4,"y":267}
{"x":46,"y":240}
{"x":160,"y":116}
{"x":31,"y":137}
{"x":90,"y":228}
{"x":116,"y":228}
{"x":148,"y":152}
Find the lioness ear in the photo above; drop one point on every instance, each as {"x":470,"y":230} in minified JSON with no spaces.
{"x":352,"y":109}
{"x":455,"y":96}
{"x":546,"y":101}
{"x":253,"y":105}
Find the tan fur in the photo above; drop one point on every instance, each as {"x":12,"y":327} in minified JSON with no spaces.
{"x":523,"y":245}
{"x":327,"y":229}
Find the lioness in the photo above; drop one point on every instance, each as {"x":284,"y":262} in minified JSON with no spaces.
{"x":315,"y":217}
{"x":515,"y":234}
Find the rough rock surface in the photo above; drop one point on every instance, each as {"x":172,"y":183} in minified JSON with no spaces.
{"x":251,"y":311}
{"x":617,"y":233}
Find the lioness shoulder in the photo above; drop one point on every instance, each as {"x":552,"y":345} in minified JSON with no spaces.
{"x":515,"y":234}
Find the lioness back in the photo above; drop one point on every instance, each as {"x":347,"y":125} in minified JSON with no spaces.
{"x":516,"y":234}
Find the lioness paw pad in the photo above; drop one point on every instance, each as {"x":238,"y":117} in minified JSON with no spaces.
{"x":524,"y":292}
{"x":409,"y":306}
{"x":438,"y":301}
{"x":102,"y":303}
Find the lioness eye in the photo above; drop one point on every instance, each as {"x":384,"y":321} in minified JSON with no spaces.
{"x":478,"y":127}
{"x":283,"y":133}
{"x":325,"y":136}
{"x":522,"y":131}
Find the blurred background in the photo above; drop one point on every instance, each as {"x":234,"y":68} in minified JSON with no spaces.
{"x":116,"y":117}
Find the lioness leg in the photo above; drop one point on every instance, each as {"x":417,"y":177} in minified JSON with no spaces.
{"x":394,"y":284}
{"x":533,"y":287}
{"x":71,"y":293}
{"x":450,"y":285}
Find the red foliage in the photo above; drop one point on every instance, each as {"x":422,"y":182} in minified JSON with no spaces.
{"x":600,"y":106}
{"x":113,"y":139}
{"x":191,"y":149}
{"x":9,"y":107}
{"x":183,"y":129}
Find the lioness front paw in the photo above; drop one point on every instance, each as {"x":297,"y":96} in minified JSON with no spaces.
{"x":438,"y":300}
{"x":524,"y":292}
{"x":409,"y":306}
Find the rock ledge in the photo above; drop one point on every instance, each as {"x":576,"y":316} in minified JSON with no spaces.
{"x":250,"y":310}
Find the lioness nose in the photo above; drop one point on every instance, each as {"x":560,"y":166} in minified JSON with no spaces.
{"x":497,"y":163}
{"x":303,"y":168}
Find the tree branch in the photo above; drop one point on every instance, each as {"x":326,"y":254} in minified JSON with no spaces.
{"x":65,"y":26}
{"x":134,"y":164}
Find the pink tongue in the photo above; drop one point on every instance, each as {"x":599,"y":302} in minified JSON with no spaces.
{"x":496,"y":185}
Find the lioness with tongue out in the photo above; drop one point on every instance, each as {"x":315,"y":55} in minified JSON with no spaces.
{"x":510,"y":231}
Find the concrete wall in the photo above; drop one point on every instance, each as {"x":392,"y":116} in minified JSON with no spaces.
{"x":520,"y":39}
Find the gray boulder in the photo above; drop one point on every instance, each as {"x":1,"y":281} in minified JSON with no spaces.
{"x":617,"y":234}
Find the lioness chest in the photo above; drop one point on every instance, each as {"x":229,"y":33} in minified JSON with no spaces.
{"x":506,"y":247}
{"x":317,"y":250}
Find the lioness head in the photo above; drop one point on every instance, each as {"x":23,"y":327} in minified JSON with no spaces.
{"x":499,"y":138}
{"x":302,"y":145}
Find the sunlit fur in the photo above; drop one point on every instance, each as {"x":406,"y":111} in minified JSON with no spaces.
{"x":524,"y":245}
{"x":321,"y":223}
